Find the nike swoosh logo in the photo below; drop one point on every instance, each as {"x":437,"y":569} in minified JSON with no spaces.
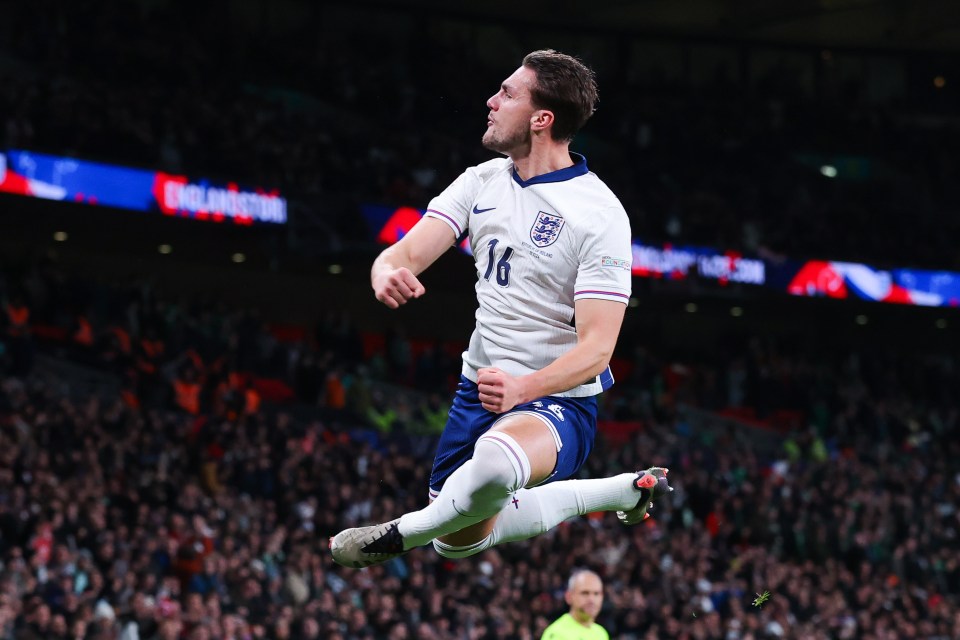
{"x":475,"y":210}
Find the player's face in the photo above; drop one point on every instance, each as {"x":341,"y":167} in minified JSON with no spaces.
{"x":511,"y":110}
{"x":586,"y":597}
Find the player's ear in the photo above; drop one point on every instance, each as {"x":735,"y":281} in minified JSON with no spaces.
{"x":541,"y":120}
{"x":567,"y":598}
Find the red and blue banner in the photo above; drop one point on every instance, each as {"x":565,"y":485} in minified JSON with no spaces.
{"x":812,"y":278}
{"x":851,"y":280}
{"x":72,"y":180}
{"x":389,"y":224}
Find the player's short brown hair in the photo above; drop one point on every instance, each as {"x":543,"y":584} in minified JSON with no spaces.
{"x":565,"y":86}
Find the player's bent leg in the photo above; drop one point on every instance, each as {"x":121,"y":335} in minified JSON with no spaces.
{"x":535,"y":511}
{"x":531,"y":439}
{"x":471,"y":495}
{"x":482,"y":502}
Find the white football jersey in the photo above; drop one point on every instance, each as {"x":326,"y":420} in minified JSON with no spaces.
{"x":539,"y":245}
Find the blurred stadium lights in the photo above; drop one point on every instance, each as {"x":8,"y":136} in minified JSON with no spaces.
{"x":829,"y":170}
{"x":165,"y":249}
{"x":690,"y":307}
{"x":335,"y":269}
{"x":238,"y":257}
{"x":60,"y":236}
{"x":861,"y":320}
{"x":736,"y":312}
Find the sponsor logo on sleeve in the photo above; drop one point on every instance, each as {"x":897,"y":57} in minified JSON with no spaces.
{"x":614,"y":263}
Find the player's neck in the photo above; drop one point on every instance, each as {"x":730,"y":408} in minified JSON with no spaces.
{"x":541,"y":159}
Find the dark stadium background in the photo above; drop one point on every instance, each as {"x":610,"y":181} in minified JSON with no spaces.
{"x":714,"y":116}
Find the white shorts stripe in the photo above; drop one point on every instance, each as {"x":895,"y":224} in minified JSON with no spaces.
{"x":543,"y":418}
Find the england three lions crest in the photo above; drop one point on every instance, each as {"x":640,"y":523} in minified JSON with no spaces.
{"x":546,"y":229}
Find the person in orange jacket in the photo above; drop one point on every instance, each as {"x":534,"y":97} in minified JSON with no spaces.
{"x":186,"y":391}
{"x":16,"y":315}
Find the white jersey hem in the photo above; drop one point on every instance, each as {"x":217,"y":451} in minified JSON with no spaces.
{"x":580,"y":391}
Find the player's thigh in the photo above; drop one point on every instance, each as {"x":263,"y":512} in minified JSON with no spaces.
{"x":556,"y":433}
{"x":571,"y":422}
{"x":537,"y":441}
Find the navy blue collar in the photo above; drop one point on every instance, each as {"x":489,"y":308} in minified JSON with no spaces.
{"x":579,"y":168}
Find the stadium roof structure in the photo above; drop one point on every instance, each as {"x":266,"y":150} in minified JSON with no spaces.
{"x":883,"y":24}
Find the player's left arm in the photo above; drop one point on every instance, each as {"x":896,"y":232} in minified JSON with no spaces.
{"x":598,"y":327}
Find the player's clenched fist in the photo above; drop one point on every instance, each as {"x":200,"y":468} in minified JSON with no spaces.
{"x":498,"y":391}
{"x":394,"y":287}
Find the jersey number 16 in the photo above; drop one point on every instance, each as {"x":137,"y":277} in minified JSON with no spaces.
{"x":503,"y":264}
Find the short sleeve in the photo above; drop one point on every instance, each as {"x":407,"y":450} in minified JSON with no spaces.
{"x":605,"y":255}
{"x":452,"y":206}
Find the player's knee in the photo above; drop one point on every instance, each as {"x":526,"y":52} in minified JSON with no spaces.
{"x":500,"y":464}
{"x":464,"y":551}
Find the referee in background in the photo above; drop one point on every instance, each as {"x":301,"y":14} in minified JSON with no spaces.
{"x":585,"y":597}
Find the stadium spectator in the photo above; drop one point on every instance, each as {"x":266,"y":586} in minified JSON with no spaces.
{"x":585,"y":597}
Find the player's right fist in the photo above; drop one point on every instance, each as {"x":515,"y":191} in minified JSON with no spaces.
{"x":395,"y":286}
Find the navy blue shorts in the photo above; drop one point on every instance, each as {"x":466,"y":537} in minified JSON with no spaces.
{"x":573,"y":422}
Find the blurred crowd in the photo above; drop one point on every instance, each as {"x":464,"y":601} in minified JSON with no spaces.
{"x":158,"y":525}
{"x":202,"y":357}
{"x":151,"y":519}
{"x":335,"y":121}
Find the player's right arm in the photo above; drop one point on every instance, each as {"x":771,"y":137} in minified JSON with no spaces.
{"x":394,"y":273}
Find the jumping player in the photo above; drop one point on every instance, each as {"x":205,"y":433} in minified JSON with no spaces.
{"x":553,"y":256}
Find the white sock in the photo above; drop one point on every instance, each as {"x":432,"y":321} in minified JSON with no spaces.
{"x":474,"y":492}
{"x":531,"y":512}
{"x":540,"y":509}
